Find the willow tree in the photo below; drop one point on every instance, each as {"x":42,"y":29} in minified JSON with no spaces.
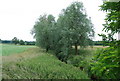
{"x":77,"y":28}
{"x":42,"y":31}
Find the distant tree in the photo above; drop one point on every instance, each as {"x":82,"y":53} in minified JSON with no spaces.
{"x":0,"y":40}
{"x":21,"y":42}
{"x":15,"y":40}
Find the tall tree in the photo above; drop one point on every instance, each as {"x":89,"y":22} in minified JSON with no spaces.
{"x":76,"y":26}
{"x":42,"y":30}
{"x":73,"y":28}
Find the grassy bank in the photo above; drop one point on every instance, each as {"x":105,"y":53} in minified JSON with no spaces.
{"x":35,"y":63}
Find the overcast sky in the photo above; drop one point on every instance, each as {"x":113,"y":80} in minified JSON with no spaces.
{"x":17,"y":17}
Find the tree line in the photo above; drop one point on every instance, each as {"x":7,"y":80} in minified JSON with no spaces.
{"x":16,"y":41}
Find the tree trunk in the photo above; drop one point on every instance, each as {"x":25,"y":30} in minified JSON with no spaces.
{"x":76,"y":49}
{"x":47,"y":49}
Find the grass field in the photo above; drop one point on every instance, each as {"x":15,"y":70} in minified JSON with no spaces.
{"x":13,"y":49}
{"x":35,"y":63}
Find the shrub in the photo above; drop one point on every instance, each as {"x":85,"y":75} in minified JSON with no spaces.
{"x":106,"y":64}
{"x":76,"y":61}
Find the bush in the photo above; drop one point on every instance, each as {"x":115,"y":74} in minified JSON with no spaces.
{"x":79,"y":61}
{"x":106,"y":64}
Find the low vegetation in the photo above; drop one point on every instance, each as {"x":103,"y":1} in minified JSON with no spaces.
{"x":8,"y":49}
{"x":42,"y":66}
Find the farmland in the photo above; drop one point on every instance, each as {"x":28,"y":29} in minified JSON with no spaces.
{"x":35,"y":63}
{"x":13,"y":49}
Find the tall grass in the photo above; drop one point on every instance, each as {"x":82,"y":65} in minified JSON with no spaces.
{"x":43,"y":66}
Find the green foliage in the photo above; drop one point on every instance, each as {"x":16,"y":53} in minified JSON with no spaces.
{"x":21,"y":42}
{"x":76,"y":28}
{"x":77,"y":61}
{"x":15,"y":40}
{"x":73,"y":28}
{"x":98,"y":43}
{"x":43,"y":30}
{"x":113,"y":16}
{"x":29,"y":42}
{"x":44,"y":66}
{"x":82,"y":60}
{"x":105,"y":39}
{"x":106,"y":64}
{"x":13,"y":49}
{"x":112,"y":20}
